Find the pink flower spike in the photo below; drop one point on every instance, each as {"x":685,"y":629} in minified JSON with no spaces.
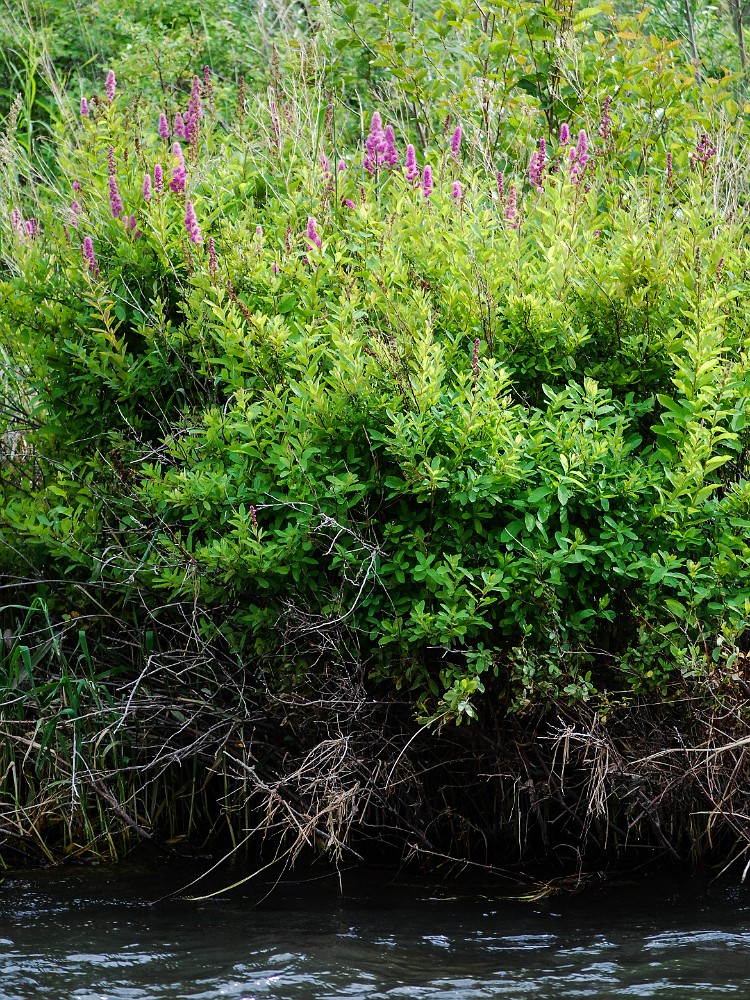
{"x":84,"y":108}
{"x":179,"y":173}
{"x":89,"y":256}
{"x":312,"y":233}
{"x":147,"y":188}
{"x":115,"y":201}
{"x":500,"y":185}
{"x":111,"y":86}
{"x":427,"y":181}
{"x":259,"y":232}
{"x":511,"y":210}
{"x":375,"y":144}
{"x":456,"y":143}
{"x":32,"y":228}
{"x":163,"y":126}
{"x":325,"y":165}
{"x":76,"y":185}
{"x":158,"y":178}
{"x":457,"y":192}
{"x":564,"y":134}
{"x":16,"y":220}
{"x":75,"y":213}
{"x":390,"y":154}
{"x":412,"y":170}
{"x":342,"y":166}
{"x":349,"y":203}
{"x":179,"y":126}
{"x":191,"y":224}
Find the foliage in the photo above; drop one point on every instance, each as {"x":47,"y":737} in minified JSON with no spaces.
{"x":490,"y":442}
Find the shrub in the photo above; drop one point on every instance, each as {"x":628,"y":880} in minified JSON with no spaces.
{"x":487,"y":439}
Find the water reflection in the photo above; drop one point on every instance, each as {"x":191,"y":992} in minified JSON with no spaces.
{"x":94,"y":934}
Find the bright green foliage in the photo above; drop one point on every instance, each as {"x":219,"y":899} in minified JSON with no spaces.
{"x":492,"y":458}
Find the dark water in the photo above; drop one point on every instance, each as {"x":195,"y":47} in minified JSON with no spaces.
{"x":95,"y":933}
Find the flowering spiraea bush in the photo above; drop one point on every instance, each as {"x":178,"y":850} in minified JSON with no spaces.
{"x":470,"y":414}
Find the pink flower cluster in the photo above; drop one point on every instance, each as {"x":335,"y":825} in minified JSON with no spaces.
{"x":578,"y":157}
{"x":115,"y":201}
{"x":191,"y":224}
{"x":380,"y":146}
{"x":537,"y":164}
{"x":179,"y":171}
{"x":704,"y":152}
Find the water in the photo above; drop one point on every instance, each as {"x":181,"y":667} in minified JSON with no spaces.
{"x":95,"y":933}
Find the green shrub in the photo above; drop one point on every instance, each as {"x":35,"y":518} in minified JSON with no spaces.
{"x":490,"y":456}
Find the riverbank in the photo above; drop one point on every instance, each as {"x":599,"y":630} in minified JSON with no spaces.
{"x":374,"y":439}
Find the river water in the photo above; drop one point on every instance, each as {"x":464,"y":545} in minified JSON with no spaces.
{"x":93,"y":933}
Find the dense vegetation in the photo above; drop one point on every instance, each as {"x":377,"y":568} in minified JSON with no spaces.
{"x":360,"y":361}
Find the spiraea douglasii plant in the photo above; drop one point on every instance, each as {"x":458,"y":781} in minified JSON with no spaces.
{"x":432,"y":394}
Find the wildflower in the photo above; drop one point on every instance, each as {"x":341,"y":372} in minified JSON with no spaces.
{"x":475,"y":361}
{"x":196,"y":104}
{"x":325,"y":165}
{"x":669,"y":170}
{"x":564,"y":134}
{"x":84,"y":108}
{"x":578,"y":157}
{"x":511,"y":209}
{"x":132,"y":227}
{"x":179,"y":126}
{"x":89,"y":256}
{"x":147,"y":187}
{"x":457,"y":192}
{"x":191,"y":224}
{"x":456,"y":143}
{"x":158,"y":178}
{"x":312,"y":233}
{"x":213,"y":263}
{"x":412,"y":170}
{"x":115,"y":201}
{"x":390,"y":154}
{"x":275,"y":267}
{"x":76,"y":185}
{"x":194,"y":113}
{"x":75,"y":213}
{"x":253,"y":517}
{"x":111,"y":165}
{"x":375,"y":144}
{"x":500,"y":186}
{"x":605,"y":125}
{"x":703,"y":153}
{"x":111,"y":86}
{"x":16,"y":220}
{"x":259,"y":233}
{"x":537,"y":164}
{"x":341,"y":166}
{"x":427,"y":181}
{"x":179,"y":173}
{"x":349,"y":203}
{"x":32,"y":228}
{"x":163,"y":126}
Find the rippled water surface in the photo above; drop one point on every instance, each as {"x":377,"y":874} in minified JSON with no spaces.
{"x":93,"y":933}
